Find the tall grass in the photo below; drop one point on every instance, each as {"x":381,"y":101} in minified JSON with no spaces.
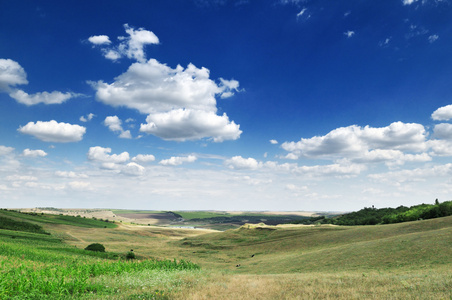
{"x":34,"y":269}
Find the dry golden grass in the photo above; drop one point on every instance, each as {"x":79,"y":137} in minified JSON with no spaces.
{"x":420,"y":284}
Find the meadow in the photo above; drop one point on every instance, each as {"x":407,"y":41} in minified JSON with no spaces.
{"x":409,"y":260}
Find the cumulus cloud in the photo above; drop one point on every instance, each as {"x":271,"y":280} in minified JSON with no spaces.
{"x":240,"y":163}
{"x":12,"y":74}
{"x":153,"y":87}
{"x":54,"y":97}
{"x":180,"y":102}
{"x":34,"y":153}
{"x":443,"y":131}
{"x":273,"y":142}
{"x":182,"y":125}
{"x":100,"y":154}
{"x":133,"y":169}
{"x":53,"y":131}
{"x":356,"y":142}
{"x":440,"y":147}
{"x":131,"y":46}
{"x":99,"y":40}
{"x":176,"y":160}
{"x":87,"y":118}
{"x":443,"y":113}
{"x":115,"y":124}
{"x":144,"y":158}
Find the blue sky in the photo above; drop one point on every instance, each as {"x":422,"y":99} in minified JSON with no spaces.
{"x":226,"y":104}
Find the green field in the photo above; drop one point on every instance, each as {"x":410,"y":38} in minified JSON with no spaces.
{"x":188,"y":215}
{"x":409,"y":260}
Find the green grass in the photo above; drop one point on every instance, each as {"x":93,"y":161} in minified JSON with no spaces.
{"x":327,"y":248}
{"x":188,"y":215}
{"x":55,"y":219}
{"x":36,"y":266}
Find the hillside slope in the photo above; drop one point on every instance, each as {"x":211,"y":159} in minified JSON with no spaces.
{"x":282,"y":249}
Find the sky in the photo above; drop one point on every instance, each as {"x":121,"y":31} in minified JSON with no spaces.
{"x":287,"y":105}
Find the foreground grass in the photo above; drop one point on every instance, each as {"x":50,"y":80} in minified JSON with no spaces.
{"x":402,"y":284}
{"x":36,"y":266}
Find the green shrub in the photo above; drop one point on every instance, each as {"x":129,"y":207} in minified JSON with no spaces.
{"x":95,"y":247}
{"x":130,"y":255}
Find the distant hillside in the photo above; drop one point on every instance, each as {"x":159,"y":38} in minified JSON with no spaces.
{"x":33,"y":222}
{"x":374,"y":216}
{"x":290,"y":248}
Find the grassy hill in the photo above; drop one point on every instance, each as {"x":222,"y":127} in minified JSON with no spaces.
{"x":328,"y":248}
{"x":409,"y":260}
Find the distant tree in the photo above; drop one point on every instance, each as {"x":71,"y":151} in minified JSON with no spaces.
{"x":95,"y":247}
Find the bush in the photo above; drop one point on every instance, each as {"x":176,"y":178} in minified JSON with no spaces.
{"x":130,"y":255}
{"x":95,"y":247}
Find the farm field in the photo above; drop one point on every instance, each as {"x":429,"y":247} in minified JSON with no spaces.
{"x":409,"y":260}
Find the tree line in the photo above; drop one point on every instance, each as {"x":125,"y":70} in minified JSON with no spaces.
{"x":374,"y":216}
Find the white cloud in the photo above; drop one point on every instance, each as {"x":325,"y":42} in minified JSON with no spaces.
{"x":337,"y":170}
{"x":11,"y":74}
{"x":414,"y":174}
{"x":88,"y":117}
{"x":240,"y":163}
{"x":176,"y":100}
{"x":34,"y":153}
{"x":349,"y":33}
{"x":131,"y":46}
{"x":433,"y":38}
{"x":176,"y":161}
{"x":101,"y":154}
{"x":153,"y":87}
{"x":144,"y":158}
{"x":443,"y":113}
{"x":21,"y":178}
{"x":80,"y":185}
{"x":355,"y":142}
{"x":70,"y":174}
{"x":292,"y":156}
{"x":440,"y":147}
{"x":5,"y":150}
{"x":133,"y":169}
{"x":99,"y":39}
{"x":443,"y":131}
{"x":273,"y":142}
{"x":112,"y":55}
{"x":125,"y":134}
{"x":408,"y":2}
{"x":54,"y":97}
{"x":115,"y":124}
{"x":184,"y":124}
{"x":53,"y":131}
